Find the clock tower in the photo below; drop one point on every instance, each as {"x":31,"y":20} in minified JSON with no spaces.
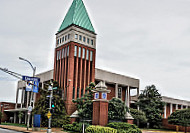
{"x":75,"y":52}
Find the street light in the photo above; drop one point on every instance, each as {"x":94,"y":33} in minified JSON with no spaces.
{"x":32,"y":94}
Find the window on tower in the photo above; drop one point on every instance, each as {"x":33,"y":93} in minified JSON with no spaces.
{"x":75,"y":54}
{"x":57,"y":41}
{"x":92,"y":42}
{"x":65,"y":52}
{"x":66,"y":38}
{"x":79,"y":52}
{"x":63,"y":39}
{"x":91,"y":54}
{"x":88,"y":40}
{"x":80,"y":37}
{"x":84,"y":39}
{"x":62,"y":53}
{"x":57,"y":55}
{"x":73,"y":92}
{"x":87,"y":54}
{"x":68,"y":51}
{"x":76,"y":36}
{"x":83,"y":53}
{"x":77,"y":92}
{"x":60,"y":40}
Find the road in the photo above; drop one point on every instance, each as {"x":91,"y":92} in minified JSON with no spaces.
{"x":8,"y":131}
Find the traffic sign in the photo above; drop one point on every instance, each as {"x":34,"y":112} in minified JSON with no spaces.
{"x":54,"y":88}
{"x":48,"y":114}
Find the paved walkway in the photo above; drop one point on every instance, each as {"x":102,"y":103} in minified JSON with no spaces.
{"x":23,"y":129}
{"x":149,"y":131}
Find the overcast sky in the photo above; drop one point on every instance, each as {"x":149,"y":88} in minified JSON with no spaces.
{"x":144,"y":39}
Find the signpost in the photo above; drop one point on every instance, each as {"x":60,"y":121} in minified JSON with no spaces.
{"x":49,"y":114}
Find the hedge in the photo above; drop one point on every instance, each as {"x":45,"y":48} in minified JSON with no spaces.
{"x":100,"y":129}
{"x":123,"y":127}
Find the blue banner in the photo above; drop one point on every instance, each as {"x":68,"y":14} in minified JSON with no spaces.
{"x":29,"y":86}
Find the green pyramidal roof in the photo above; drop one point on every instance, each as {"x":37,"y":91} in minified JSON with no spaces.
{"x":77,"y":15}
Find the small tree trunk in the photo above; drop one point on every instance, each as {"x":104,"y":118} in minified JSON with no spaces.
{"x":185,"y":129}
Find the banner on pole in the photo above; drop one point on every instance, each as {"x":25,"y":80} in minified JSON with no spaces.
{"x":35,"y":81}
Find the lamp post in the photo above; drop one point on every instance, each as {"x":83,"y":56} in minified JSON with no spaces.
{"x":32,"y":94}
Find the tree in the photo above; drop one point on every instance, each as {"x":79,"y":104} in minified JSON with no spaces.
{"x":139,"y":117}
{"x":1,"y":116}
{"x":20,"y":115}
{"x":59,"y":116}
{"x":150,"y":102}
{"x":84,"y":104}
{"x":116,"y":109}
{"x":181,"y":118}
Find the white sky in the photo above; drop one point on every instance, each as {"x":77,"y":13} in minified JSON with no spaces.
{"x":145,"y":39}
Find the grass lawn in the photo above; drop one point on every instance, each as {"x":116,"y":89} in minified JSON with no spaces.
{"x":14,"y":124}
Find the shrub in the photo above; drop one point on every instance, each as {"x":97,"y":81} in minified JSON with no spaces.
{"x":123,"y":127}
{"x":140,"y":116}
{"x":76,"y":127}
{"x":100,"y":129}
{"x":116,"y":109}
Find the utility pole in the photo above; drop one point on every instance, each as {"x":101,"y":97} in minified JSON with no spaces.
{"x":49,"y":114}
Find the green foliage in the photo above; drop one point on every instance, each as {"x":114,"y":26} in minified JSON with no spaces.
{"x":150,"y":102}
{"x":20,"y":114}
{"x":123,"y":127}
{"x":75,"y":127}
{"x":100,"y":129}
{"x":116,"y":109}
{"x":138,"y":116}
{"x":14,"y":124}
{"x":59,"y":116}
{"x":180,"y":117}
{"x":84,"y":104}
{"x":1,"y":115}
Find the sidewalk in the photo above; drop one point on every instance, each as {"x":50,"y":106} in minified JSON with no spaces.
{"x":152,"y":131}
{"x":23,"y":129}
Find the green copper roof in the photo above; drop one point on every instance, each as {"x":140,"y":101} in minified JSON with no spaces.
{"x":77,"y":15}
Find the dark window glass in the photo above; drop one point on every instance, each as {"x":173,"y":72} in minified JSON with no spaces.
{"x":80,"y":37}
{"x":73,"y":92}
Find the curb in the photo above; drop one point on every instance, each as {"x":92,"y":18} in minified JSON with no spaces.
{"x":15,"y":130}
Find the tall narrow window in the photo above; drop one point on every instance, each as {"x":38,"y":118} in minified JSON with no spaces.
{"x":77,"y":92}
{"x":60,"y":40}
{"x":84,"y":39}
{"x":91,"y":54}
{"x":88,"y":40}
{"x":83,"y":53}
{"x":76,"y":36}
{"x":79,"y":52}
{"x":62,"y":52}
{"x":68,"y":51}
{"x":119,"y":92}
{"x":57,"y":41}
{"x":80,"y":37}
{"x":87,"y":54}
{"x":75,"y":51}
{"x":63,"y":39}
{"x":59,"y":54}
{"x":65,"y":52}
{"x":73,"y":92}
{"x":92,"y":42}
{"x":68,"y":36}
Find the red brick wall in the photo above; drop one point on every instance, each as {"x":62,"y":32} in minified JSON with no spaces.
{"x":6,"y":106}
{"x":173,"y":127}
{"x":74,"y":68}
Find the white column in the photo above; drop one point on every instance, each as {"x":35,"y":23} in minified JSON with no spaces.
{"x":17,"y":95}
{"x":176,"y":106}
{"x":181,"y":106}
{"x":14,"y":117}
{"x":165,"y":110}
{"x":128,"y":96}
{"x":116,"y":90}
{"x":22,"y":98}
{"x":171,"y":108}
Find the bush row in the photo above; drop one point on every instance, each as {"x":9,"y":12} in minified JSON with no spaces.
{"x":100,"y":129}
